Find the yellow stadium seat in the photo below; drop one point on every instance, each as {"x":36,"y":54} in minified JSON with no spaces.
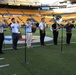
{"x":3,"y":11}
{"x":30,"y":12}
{"x":38,"y":19}
{"x":24,"y":18}
{"x":46,"y":12}
{"x":15,"y":12}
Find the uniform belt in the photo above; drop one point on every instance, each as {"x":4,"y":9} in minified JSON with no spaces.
{"x":68,"y":32}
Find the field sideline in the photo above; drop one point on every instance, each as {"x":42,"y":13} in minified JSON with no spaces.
{"x":43,"y":60}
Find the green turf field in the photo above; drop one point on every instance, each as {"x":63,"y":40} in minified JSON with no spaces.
{"x":43,"y":60}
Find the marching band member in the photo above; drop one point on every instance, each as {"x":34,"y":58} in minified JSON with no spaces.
{"x":15,"y":33}
{"x":68,"y":27}
{"x":55,"y":28}
{"x":2,"y":35}
{"x":28,"y":28}
{"x":42,"y":27}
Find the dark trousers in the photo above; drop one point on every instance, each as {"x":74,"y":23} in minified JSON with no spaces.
{"x":1,"y":41}
{"x":55,"y":37}
{"x":68,"y":37}
{"x":15,"y":37}
{"x":42,"y":36}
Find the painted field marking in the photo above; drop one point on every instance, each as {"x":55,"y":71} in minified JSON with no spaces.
{"x":37,"y":46}
{"x":13,"y":74}
{"x":2,"y":58}
{"x":11,"y":48}
{"x":4,"y":65}
{"x":35,"y":39}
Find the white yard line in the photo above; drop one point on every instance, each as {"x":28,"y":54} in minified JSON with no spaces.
{"x":2,"y":58}
{"x":37,"y":46}
{"x":11,"y":48}
{"x":4,"y":65}
{"x":73,"y":42}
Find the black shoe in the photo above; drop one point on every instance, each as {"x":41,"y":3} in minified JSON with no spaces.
{"x":1,"y":52}
{"x":55,"y":43}
{"x":68,"y":43}
{"x":16,"y":49}
{"x":43,"y":45}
